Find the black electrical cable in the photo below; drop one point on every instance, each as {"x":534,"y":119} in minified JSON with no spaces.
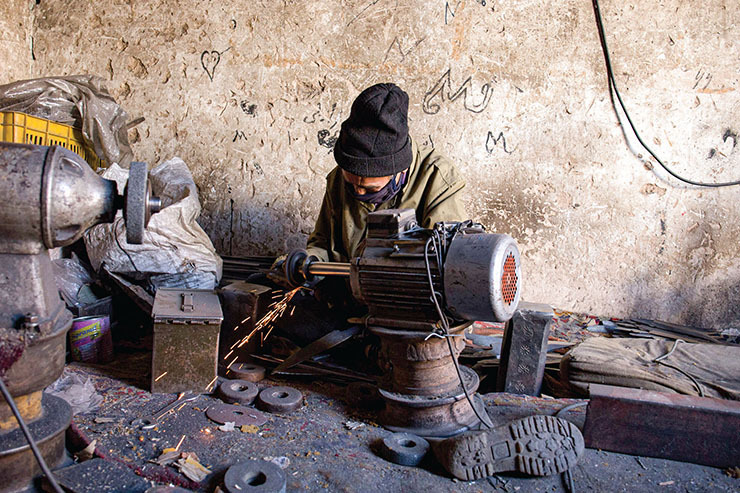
{"x":27,"y":433}
{"x":613,"y":87}
{"x":446,"y":325}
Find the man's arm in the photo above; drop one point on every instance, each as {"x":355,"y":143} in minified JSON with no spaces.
{"x":318,"y":240}
{"x":447,"y":206}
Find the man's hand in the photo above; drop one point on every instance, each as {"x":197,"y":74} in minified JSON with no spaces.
{"x":291,"y":270}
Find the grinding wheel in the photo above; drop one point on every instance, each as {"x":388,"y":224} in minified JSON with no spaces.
{"x":280,"y":399}
{"x":255,"y":476}
{"x":247,"y":371}
{"x":239,"y":415}
{"x":138,"y":205}
{"x":404,"y":449}
{"x":238,"y":392}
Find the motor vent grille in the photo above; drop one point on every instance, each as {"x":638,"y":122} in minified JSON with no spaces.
{"x":509,"y":280}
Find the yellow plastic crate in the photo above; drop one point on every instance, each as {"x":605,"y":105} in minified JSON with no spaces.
{"x":20,"y":128}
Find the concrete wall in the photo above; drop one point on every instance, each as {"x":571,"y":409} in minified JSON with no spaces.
{"x":16,"y":25}
{"x":251,"y":96}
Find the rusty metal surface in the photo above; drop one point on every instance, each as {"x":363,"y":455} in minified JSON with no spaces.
{"x":692,"y":429}
{"x":234,"y":413}
{"x":524,"y":350}
{"x":416,"y":365}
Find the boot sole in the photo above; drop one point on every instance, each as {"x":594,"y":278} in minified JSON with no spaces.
{"x":536,"y":445}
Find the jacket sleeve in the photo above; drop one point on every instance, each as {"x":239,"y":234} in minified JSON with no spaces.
{"x":318,"y":240}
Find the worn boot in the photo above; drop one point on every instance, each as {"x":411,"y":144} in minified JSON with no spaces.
{"x":536,"y":445}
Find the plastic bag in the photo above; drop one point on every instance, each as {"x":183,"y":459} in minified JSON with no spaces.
{"x":81,"y":101}
{"x":77,"y":390}
{"x":176,"y":252}
{"x":70,"y":275}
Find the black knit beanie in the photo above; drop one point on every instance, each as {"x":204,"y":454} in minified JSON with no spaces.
{"x":374,"y":140}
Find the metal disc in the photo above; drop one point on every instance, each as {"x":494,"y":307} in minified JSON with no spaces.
{"x":135,"y":205}
{"x":247,"y":371}
{"x":238,"y":391}
{"x":280,"y":399}
{"x":255,"y":476}
{"x":239,"y":415}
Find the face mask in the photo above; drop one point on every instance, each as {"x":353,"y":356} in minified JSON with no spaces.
{"x":384,"y":194}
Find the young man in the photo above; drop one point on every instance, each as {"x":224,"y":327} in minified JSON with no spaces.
{"x":381,"y":167}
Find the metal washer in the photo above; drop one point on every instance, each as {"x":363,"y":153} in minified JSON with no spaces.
{"x":239,"y":415}
{"x":247,"y":371}
{"x":255,"y":476}
{"x":405,"y":449}
{"x":280,"y":399}
{"x":238,"y":392}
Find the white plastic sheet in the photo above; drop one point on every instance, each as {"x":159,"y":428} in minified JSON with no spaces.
{"x":176,"y":252}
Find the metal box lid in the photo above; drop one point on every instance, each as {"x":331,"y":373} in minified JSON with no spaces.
{"x":194,"y":306}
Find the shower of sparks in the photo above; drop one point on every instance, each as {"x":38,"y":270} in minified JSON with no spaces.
{"x":157,"y":379}
{"x":265,"y":324}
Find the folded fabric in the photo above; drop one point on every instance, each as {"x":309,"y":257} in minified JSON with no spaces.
{"x":711,"y":370}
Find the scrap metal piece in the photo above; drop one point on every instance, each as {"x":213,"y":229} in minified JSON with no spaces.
{"x":330,"y":340}
{"x":524,"y":350}
{"x":233,"y":413}
{"x":657,"y":424}
{"x":255,"y":476}
{"x":247,"y":371}
{"x":405,"y":449}
{"x":280,"y":400}
{"x":238,"y":392}
{"x":149,"y":422}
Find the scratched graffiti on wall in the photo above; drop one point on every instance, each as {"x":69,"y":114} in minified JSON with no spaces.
{"x":442,"y":92}
{"x":328,"y":135}
{"x":209,"y":60}
{"x":492,"y":143}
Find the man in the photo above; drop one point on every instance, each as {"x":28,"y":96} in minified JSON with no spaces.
{"x":381,"y":167}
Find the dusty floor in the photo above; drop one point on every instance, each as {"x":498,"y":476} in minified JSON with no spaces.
{"x":321,"y":453}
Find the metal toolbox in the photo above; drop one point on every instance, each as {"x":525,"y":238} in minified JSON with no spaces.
{"x":186,"y":330}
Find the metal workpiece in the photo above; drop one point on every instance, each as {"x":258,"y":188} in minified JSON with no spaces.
{"x":482,"y":277}
{"x":524,"y":350}
{"x":255,"y":476}
{"x":405,"y":449}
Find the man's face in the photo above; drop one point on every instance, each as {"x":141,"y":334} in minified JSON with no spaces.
{"x":366,"y":184}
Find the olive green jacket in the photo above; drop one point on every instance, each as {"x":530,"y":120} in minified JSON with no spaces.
{"x":432,"y":189}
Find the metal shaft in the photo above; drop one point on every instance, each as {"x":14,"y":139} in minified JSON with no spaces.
{"x":329,"y":269}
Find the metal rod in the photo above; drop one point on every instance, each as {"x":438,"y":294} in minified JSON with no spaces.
{"x":329,"y":269}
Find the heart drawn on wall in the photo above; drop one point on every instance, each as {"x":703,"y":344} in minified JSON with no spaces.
{"x":209,"y":60}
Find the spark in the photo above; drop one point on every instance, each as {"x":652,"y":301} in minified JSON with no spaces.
{"x":208,"y":387}
{"x":228,"y":354}
{"x":180,"y":443}
{"x":157,"y":379}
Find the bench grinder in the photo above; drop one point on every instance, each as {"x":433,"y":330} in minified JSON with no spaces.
{"x":422,"y":288}
{"x":52,"y":197}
